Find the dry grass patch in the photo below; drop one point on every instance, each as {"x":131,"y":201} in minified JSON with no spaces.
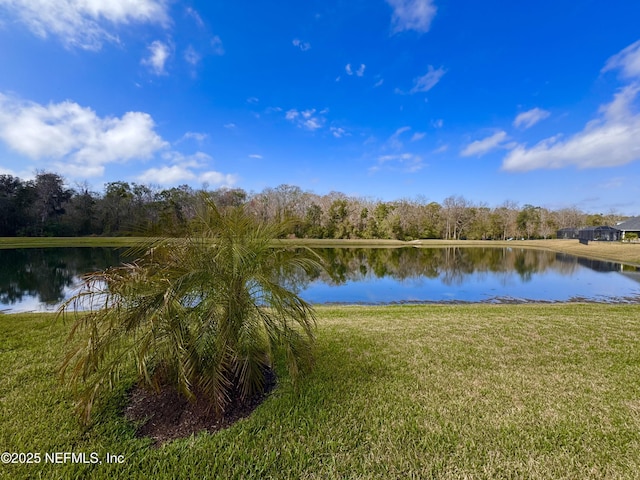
{"x":616,"y":251}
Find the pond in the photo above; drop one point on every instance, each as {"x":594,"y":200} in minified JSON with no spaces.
{"x":40,"y":279}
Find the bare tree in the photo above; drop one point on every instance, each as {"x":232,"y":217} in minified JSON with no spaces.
{"x":547,"y":223}
{"x":570,"y":218}
{"x":457,"y":215}
{"x":507,"y":215}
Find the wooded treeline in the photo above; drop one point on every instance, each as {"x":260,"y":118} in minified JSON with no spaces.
{"x":46,"y":206}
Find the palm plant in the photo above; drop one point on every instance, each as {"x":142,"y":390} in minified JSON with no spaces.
{"x":204,"y":314}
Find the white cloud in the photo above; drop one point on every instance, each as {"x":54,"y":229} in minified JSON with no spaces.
{"x":418,"y":136}
{"x":191,"y":56}
{"x":399,"y":161}
{"x":218,"y":179}
{"x":619,"y":110}
{"x":312,"y":123}
{"x":406,"y":162}
{"x":378,"y":83}
{"x":480,"y":147}
{"x":158,"y":55}
{"x":359,"y":72}
{"x":216,"y":44}
{"x":75,"y":136}
{"x":229,"y":126}
{"x":197,"y":136}
{"x":394,"y":140}
{"x":197,"y":160}
{"x":412,"y":15}
{"x":611,"y":140}
{"x":255,"y":155}
{"x":187,"y":168}
{"x":167,"y":175}
{"x":437,"y":123}
{"x":388,"y":158}
{"x":428,"y":80}
{"x":304,"y":46}
{"x":307,"y":119}
{"x":441,"y":149}
{"x":195,"y":15}
{"x":628,"y":61}
{"x":338,"y":132}
{"x":529,"y":118}
{"x":7,"y":171}
{"x":85,"y":24}
{"x":177,"y":174}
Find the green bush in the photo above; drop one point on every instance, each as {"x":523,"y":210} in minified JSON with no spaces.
{"x":204,"y":314}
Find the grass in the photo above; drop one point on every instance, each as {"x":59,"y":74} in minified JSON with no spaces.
{"x":46,"y":242}
{"x":431,"y":391}
{"x":621,"y":252}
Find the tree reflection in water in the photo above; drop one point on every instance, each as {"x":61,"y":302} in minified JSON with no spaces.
{"x":452,"y":266}
{"x":47,"y":275}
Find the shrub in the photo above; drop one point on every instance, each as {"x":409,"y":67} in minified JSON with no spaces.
{"x":204,"y":314}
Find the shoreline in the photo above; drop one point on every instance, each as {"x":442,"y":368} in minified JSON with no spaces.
{"x":627,"y":253}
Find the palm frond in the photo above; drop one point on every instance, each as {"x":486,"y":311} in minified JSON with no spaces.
{"x":205,"y":313}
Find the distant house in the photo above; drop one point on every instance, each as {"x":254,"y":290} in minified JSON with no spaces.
{"x":631,"y":225}
{"x":602,"y":233}
{"x":568,"y":233}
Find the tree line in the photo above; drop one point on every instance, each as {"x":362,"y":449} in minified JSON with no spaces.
{"x":47,"y":206}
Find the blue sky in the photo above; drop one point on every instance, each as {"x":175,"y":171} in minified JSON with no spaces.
{"x":532,"y":102}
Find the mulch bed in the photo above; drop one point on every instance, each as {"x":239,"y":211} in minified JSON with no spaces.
{"x":168,"y":415}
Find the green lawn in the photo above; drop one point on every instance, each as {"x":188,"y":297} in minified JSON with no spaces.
{"x":46,"y":242}
{"x":433,"y":391}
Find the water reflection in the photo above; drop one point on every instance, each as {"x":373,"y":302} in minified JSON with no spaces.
{"x":364,"y":275}
{"x":451,"y":264}
{"x":40,"y":279}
